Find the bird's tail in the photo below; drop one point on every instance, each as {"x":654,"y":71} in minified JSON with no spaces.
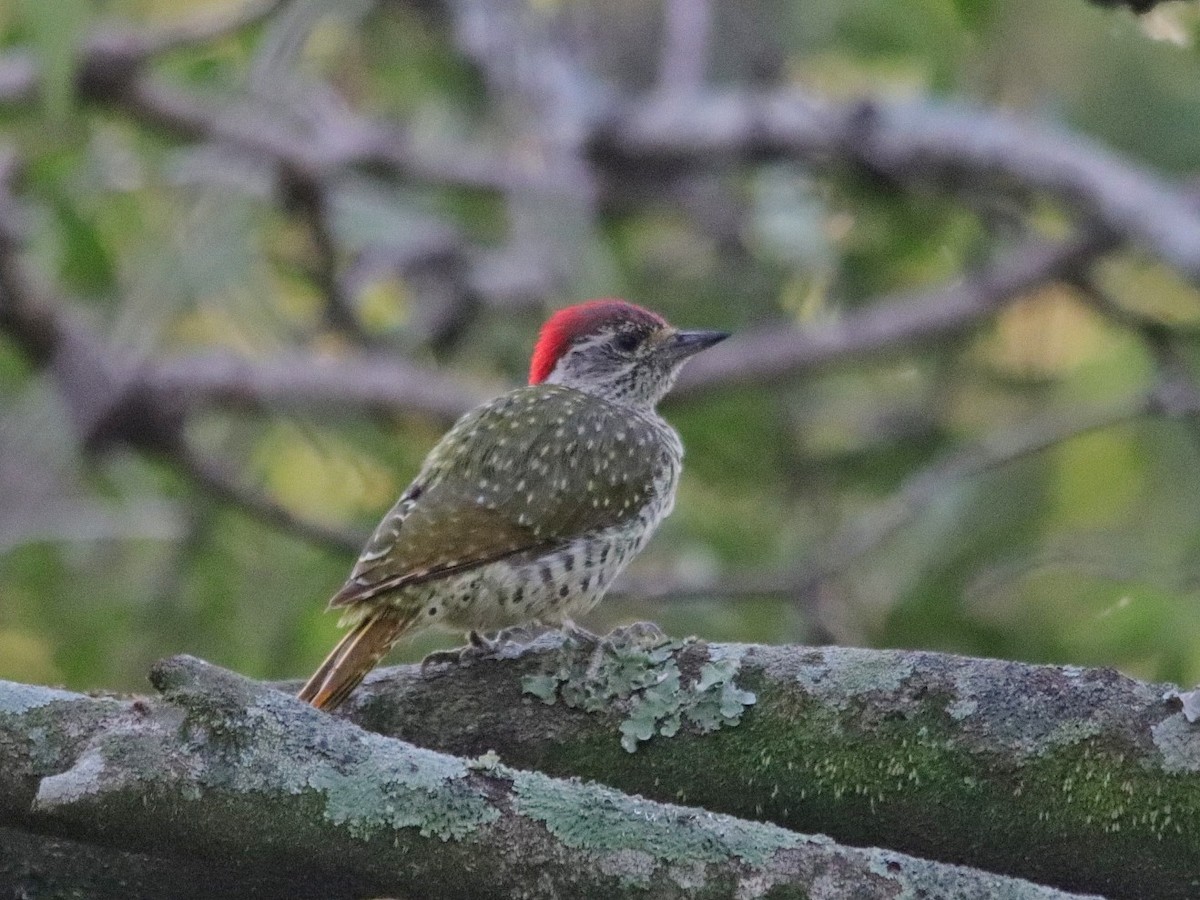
{"x":356,"y":654}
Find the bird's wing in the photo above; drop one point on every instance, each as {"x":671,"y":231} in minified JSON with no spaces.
{"x":527,"y":472}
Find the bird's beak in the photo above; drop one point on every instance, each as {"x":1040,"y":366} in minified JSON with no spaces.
{"x":683,"y":344}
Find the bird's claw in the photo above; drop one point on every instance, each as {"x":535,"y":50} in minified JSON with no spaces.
{"x":644,"y":633}
{"x":521,"y":634}
{"x":442,"y":658}
{"x":480,"y":643}
{"x":577,"y":635}
{"x":480,"y":646}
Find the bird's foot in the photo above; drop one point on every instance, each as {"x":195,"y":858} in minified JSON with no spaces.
{"x":521,"y":635}
{"x":478,"y":646}
{"x":480,"y":643}
{"x":441,"y":658}
{"x":646,"y":634}
{"x":580,"y":636}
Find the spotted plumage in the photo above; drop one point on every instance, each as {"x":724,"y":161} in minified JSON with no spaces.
{"x":530,"y":506}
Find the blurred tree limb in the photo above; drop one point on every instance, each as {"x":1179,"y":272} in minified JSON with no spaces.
{"x":683,"y":128}
{"x":1138,"y":6}
{"x":869,"y":530}
{"x":111,"y":399}
{"x":123,"y":798}
{"x":893,"y":324}
{"x":955,"y":149}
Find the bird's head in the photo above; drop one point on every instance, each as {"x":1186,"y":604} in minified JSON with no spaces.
{"x":615,"y":350}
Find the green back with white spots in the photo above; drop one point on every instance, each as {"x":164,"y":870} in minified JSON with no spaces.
{"x":529,"y":471}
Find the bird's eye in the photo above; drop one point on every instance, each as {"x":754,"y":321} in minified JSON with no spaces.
{"x":626,"y":342}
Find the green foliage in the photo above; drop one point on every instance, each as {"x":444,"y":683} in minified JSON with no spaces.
{"x":54,"y":30}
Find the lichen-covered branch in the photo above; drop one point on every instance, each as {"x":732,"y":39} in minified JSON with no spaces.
{"x":233,"y":777}
{"x":1080,"y":778}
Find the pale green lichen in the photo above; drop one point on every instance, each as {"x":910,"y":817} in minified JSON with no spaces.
{"x":1067,"y":733}
{"x":430,"y":796}
{"x":718,"y":699}
{"x":544,"y":687}
{"x":1179,"y":743}
{"x":961,"y":709}
{"x":369,"y":783}
{"x":485,"y":762}
{"x":645,"y":680}
{"x":838,"y":675}
{"x":600,"y":820}
{"x":17,"y":698}
{"x":77,"y":782}
{"x":258,"y":741}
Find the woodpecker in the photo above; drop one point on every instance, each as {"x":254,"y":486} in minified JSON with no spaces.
{"x":529,"y":507}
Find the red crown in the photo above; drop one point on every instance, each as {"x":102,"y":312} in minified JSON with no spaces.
{"x":583,"y":318}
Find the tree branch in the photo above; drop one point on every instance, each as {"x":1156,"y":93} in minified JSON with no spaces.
{"x":113,"y":401}
{"x":915,"y":144}
{"x":224,"y":486}
{"x":920,"y":490}
{"x":306,"y":196}
{"x":332,"y":386}
{"x":766,"y":357}
{"x":230,"y":774}
{"x":1080,"y":778}
{"x":890,"y":324}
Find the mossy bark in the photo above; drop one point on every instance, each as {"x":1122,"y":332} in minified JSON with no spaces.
{"x":1080,"y":778}
{"x":226,"y":787}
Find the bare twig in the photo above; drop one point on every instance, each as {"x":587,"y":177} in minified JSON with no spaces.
{"x":308,"y":198}
{"x":873,"y":528}
{"x":334,"y":386}
{"x":223,"y":485}
{"x":113,"y":401}
{"x":731,"y":585}
{"x":394,"y":386}
{"x":339,"y":141}
{"x":920,"y":490}
{"x":1176,"y":394}
{"x":1138,"y":6}
{"x":890,"y":324}
{"x":113,"y":56}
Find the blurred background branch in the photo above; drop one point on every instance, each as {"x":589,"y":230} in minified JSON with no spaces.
{"x":254,"y":257}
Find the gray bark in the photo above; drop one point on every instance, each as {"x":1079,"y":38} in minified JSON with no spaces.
{"x":226,"y":787}
{"x":1080,"y":778}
